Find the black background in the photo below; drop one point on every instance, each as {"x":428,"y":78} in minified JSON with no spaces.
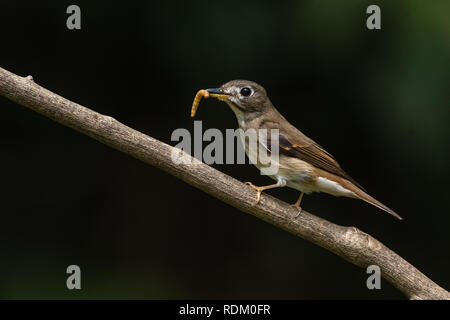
{"x":377,"y":100}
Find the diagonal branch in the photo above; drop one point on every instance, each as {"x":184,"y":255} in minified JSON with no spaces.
{"x":349,"y":243}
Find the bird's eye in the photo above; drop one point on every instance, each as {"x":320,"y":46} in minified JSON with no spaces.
{"x":246,"y":91}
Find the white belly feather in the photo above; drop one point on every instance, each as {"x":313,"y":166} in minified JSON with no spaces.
{"x":299,"y":174}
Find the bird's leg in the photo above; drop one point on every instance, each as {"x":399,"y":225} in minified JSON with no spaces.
{"x":297,"y":204}
{"x":280,"y":183}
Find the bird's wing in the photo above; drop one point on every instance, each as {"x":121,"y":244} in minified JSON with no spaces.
{"x":295,"y":144}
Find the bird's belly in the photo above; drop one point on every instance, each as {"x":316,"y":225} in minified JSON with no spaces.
{"x":298,"y":174}
{"x":320,"y":184}
{"x":300,"y":182}
{"x":302,"y":176}
{"x":301,"y":186}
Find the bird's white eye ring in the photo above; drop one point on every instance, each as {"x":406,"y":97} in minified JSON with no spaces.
{"x":246,"y":91}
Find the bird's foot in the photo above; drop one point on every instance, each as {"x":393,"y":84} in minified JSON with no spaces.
{"x":297,"y":204}
{"x":258,"y":189}
{"x":298,"y":208}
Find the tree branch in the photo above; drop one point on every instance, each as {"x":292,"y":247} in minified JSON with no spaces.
{"x":349,"y":243}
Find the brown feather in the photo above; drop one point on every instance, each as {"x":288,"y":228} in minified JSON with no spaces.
{"x":294,"y":143}
{"x":360,"y":194}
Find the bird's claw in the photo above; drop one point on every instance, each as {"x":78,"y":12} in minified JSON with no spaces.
{"x":299,"y":210}
{"x":258,"y":189}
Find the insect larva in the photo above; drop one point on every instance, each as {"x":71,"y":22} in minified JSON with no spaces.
{"x":200,"y":94}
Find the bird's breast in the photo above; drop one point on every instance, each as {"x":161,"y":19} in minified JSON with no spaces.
{"x":298,"y":174}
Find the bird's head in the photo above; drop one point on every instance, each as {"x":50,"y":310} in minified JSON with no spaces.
{"x":246,"y":98}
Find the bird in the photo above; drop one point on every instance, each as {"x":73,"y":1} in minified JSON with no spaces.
{"x":303,"y":164}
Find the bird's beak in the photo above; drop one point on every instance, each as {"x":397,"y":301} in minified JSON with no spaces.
{"x":215,"y":93}
{"x":218,"y":93}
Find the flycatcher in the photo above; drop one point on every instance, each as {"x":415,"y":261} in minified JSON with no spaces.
{"x":303,"y":164}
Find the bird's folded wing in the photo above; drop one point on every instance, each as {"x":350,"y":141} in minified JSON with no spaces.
{"x":314,"y":154}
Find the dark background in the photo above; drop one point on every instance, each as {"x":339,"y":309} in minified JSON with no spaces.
{"x":377,"y":100}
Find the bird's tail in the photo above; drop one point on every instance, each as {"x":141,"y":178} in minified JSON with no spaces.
{"x":364,"y":196}
{"x":360,"y":194}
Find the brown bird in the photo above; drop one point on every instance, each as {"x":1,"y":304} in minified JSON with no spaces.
{"x":302,"y":164}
